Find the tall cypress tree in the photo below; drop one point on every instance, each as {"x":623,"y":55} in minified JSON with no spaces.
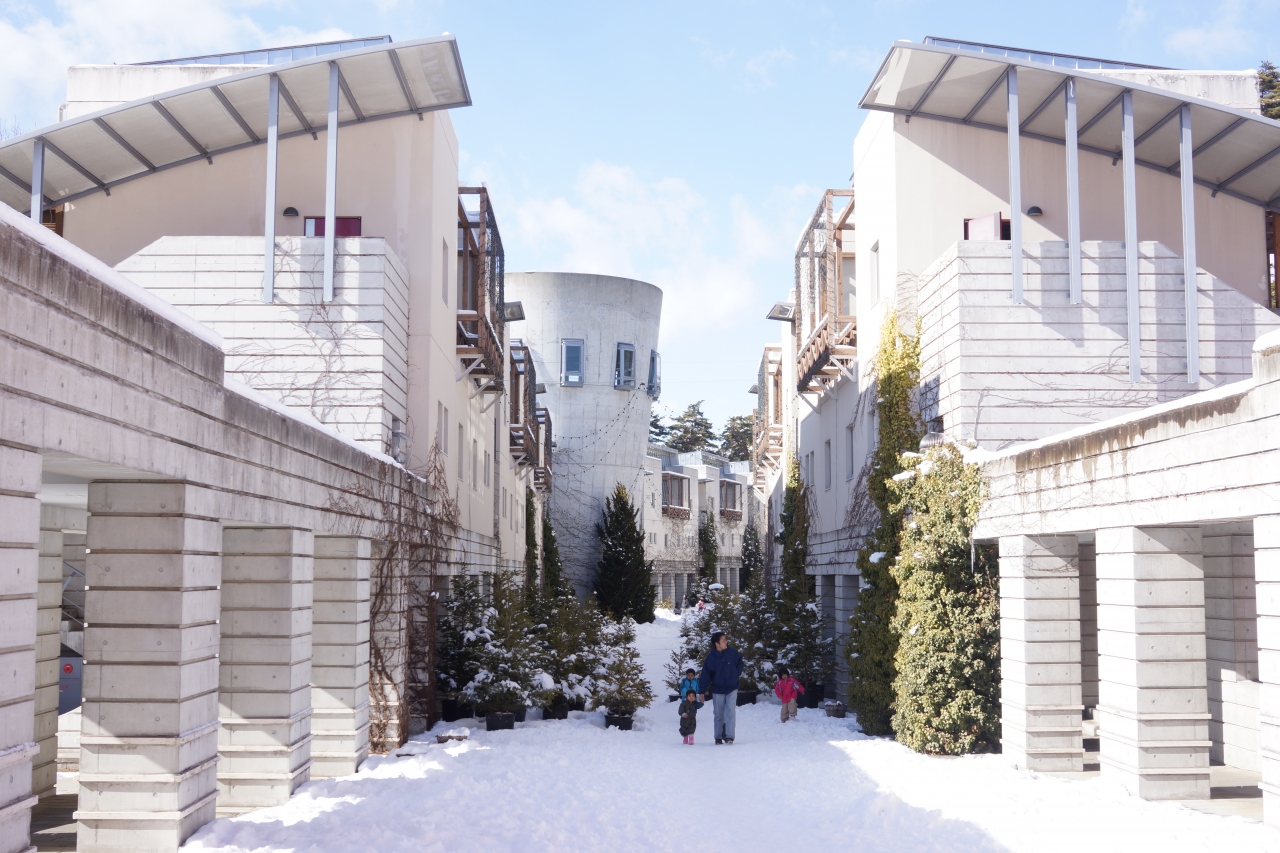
{"x":623,"y":575}
{"x":552,"y":568}
{"x":793,"y":534}
{"x":873,"y":644}
{"x":530,"y":544}
{"x":708,"y":548}
{"x":752,"y":555}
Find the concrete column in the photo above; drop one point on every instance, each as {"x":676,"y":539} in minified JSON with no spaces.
{"x":680,"y":589}
{"x":264,"y":677}
{"x":44,"y":774}
{"x":1153,"y":708}
{"x":1040,"y":652}
{"x":1266,"y":555}
{"x":340,"y":656}
{"x":1231,"y":644}
{"x":149,"y":729}
{"x":1088,"y":625}
{"x":19,"y":586}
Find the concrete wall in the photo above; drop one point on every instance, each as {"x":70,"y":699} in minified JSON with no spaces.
{"x":601,"y":432}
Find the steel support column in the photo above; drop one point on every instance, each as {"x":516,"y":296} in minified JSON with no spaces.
{"x":331,"y":182}
{"x":37,"y":181}
{"x":1130,"y":238}
{"x":1015,"y":186}
{"x":1189,"y":268}
{"x":1073,"y":197}
{"x":269,"y":213}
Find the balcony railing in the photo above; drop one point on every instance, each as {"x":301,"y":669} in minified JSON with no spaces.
{"x":542,"y":473}
{"x":675,"y":511}
{"x":481,"y":264}
{"x":829,"y":352}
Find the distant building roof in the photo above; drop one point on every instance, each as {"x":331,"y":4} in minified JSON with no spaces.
{"x":1061,"y":60}
{"x":273,"y":55}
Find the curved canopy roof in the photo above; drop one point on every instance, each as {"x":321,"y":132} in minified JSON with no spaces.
{"x":1234,"y":152}
{"x":95,"y":152}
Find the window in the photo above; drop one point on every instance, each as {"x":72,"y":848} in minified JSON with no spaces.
{"x":475,"y":463}
{"x":504,"y":503}
{"x":848,"y":453}
{"x":875,"y":273}
{"x":826,"y":464}
{"x":444,"y":271}
{"x":486,"y":469}
{"x":442,"y":427}
{"x":344,"y":226}
{"x":655,"y":374}
{"x":653,"y":539}
{"x":461,"y":446}
{"x":729,"y":496}
{"x":572,"y":357}
{"x":624,"y":367}
{"x":666,"y":540}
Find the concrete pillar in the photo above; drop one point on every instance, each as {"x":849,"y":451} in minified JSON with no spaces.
{"x":1153,"y":707}
{"x":19,"y":586}
{"x":1231,"y":644}
{"x":264,"y":674}
{"x":44,"y":774}
{"x":680,"y":589}
{"x":340,"y":656}
{"x":149,"y":728}
{"x":1089,"y":625}
{"x":1266,"y":555}
{"x":1040,"y":652}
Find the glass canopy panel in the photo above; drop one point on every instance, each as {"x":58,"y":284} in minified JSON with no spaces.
{"x":310,"y":88}
{"x":967,"y":80}
{"x":153,"y":137}
{"x":1247,"y":144}
{"x":16,"y":159}
{"x":1034,"y":88}
{"x":1162,"y":147}
{"x":249,"y":97}
{"x":432,"y":73}
{"x":60,"y":180}
{"x":373,"y":82}
{"x":91,"y":147}
{"x":206,"y":120}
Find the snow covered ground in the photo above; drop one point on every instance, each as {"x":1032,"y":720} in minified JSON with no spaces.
{"x":812,"y":784}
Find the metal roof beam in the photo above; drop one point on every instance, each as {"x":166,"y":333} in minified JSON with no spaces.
{"x":946,"y":66}
{"x":63,"y":156}
{"x":1218,"y":137}
{"x":182,"y":131}
{"x":1035,"y":114}
{"x":16,"y":181}
{"x":120,"y":140}
{"x":295,"y":109}
{"x":1151,"y":131}
{"x":1247,"y":169}
{"x":235,"y":114}
{"x":987,"y":95}
{"x":404,"y":82}
{"x":1088,"y":125}
{"x":346,"y":93}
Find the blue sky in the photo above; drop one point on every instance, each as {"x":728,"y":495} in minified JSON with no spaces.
{"x":680,"y":143}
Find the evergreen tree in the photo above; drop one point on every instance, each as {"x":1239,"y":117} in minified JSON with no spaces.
{"x":708,"y":547}
{"x":658,"y":431}
{"x":623,"y":575}
{"x":570,"y":631}
{"x":552,"y":568}
{"x":947,"y":692}
{"x":622,"y":688}
{"x":508,"y":654}
{"x":531,"y":586}
{"x":793,"y":533}
{"x":1269,"y":89}
{"x":752,"y":556}
{"x":735,"y":441}
{"x":691,"y":430}
{"x":753,"y":631}
{"x":872,"y":644}
{"x":799,"y":635}
{"x":455,"y":657}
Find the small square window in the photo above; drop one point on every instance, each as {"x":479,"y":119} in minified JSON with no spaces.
{"x":573,"y":352}
{"x":624,"y":368}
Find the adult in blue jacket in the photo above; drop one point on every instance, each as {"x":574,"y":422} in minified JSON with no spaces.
{"x":720,"y":674}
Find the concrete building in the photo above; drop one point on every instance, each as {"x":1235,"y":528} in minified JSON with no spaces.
{"x":594,"y":340}
{"x":1070,"y":310}
{"x":245,"y":369}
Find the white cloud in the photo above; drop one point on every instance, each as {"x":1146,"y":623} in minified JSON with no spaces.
{"x":1230,"y":26}
{"x":40,"y":41}
{"x":720,"y":264}
{"x":1135,"y":15}
{"x":760,"y":67}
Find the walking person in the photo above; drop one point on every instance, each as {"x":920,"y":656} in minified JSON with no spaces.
{"x":689,"y":716}
{"x":787,"y":689}
{"x":720,"y":674}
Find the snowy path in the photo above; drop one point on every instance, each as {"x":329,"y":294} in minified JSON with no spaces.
{"x":814,"y":784}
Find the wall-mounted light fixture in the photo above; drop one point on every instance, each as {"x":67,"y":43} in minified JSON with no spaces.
{"x":540,"y":388}
{"x":512,"y":311}
{"x":291,"y":211}
{"x":1034,"y":211}
{"x":784,"y":311}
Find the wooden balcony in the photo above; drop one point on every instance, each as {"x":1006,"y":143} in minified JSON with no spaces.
{"x":542,"y":472}
{"x":480,"y":294}
{"x":675,"y":511}
{"x":828,"y":353}
{"x":479,"y":352}
{"x":731,"y":514}
{"x":767,"y":452}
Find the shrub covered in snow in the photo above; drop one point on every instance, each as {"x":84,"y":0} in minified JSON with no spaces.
{"x":798,"y":629}
{"x":621,"y":685}
{"x":570,"y":631}
{"x":456,"y":662}
{"x":508,"y":655}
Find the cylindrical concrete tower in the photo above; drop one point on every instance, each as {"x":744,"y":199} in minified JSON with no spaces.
{"x":594,"y":340}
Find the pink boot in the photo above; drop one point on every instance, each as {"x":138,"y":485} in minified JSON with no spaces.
{"x":690,"y":740}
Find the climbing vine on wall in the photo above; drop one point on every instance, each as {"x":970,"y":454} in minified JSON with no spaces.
{"x":947,"y":690}
{"x":873,"y":645}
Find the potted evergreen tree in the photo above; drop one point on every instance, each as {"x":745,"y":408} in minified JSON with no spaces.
{"x":509,"y":656}
{"x":621,"y":686}
{"x":623,"y":585}
{"x":801,"y":644}
{"x":570,"y":634}
{"x":455,"y":657}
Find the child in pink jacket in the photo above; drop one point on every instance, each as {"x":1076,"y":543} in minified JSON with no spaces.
{"x":787,"y":689}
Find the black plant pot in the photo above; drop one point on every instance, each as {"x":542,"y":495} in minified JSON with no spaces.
{"x":578,"y":705}
{"x":452,"y":710}
{"x":813,"y":696}
{"x":496,"y":721}
{"x":673,"y":697}
{"x":520,"y":713}
{"x":747,"y":697}
{"x":619,"y":722}
{"x":837,"y":710}
{"x":556,"y":712}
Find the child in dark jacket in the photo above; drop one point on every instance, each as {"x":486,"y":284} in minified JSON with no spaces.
{"x":787,"y":689}
{"x":689,"y":716}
